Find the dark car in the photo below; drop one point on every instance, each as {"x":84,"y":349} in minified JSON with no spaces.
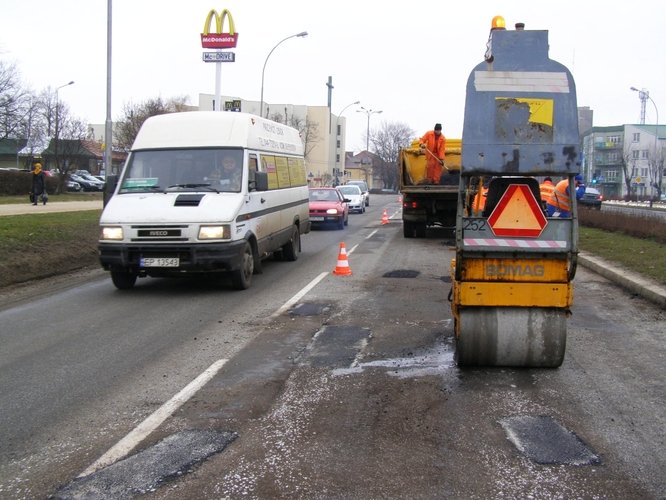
{"x":86,"y":183}
{"x":591,"y":199}
{"x":328,"y":206}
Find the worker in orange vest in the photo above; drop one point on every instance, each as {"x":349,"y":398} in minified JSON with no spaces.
{"x":433,"y":144}
{"x":546,"y":189}
{"x":559,"y":204}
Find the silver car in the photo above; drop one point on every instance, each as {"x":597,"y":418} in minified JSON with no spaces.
{"x":355,"y":196}
{"x":364,"y":189}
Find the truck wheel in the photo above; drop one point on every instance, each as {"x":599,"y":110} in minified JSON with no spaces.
{"x":241,"y":278}
{"x":407,"y":229}
{"x":292,"y":248}
{"x":123,"y":279}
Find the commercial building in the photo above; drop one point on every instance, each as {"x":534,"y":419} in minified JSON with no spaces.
{"x":624,"y":160}
{"x":323,"y":135}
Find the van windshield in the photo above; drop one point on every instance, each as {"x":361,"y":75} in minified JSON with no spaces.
{"x":216,"y":170}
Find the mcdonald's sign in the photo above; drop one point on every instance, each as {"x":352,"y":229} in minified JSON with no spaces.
{"x":219,"y":39}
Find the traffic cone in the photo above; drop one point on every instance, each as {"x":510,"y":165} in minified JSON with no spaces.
{"x":385,"y":218}
{"x":342,"y":268}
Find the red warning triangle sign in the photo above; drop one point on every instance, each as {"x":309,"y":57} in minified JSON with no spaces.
{"x":517,"y":214}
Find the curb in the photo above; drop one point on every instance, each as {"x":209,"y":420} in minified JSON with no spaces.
{"x":632,"y":282}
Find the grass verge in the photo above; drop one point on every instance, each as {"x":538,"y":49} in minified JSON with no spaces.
{"x":10,"y":200}
{"x":644,"y":256}
{"x":41,"y":245}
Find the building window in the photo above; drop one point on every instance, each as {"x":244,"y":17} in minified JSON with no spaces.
{"x":339,"y":127}
{"x":615,"y":139}
{"x":635,"y":154}
{"x":610,"y":175}
{"x":337,"y":143}
{"x":637,"y":137}
{"x":643,"y":171}
{"x":612,"y":157}
{"x":644,"y":154}
{"x":337,"y":158}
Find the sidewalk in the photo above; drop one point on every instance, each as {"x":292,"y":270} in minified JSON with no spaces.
{"x":50,"y":207}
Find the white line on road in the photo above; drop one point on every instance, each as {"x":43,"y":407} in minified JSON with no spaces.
{"x":122,"y":448}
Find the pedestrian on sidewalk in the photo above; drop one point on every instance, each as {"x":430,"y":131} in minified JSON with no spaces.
{"x":38,"y":184}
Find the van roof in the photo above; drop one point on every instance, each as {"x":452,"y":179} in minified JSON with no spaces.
{"x":197,"y":129}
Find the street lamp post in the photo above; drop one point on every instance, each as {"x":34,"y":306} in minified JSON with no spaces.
{"x":337,"y":120}
{"x":261,"y":106}
{"x":367,"y":135}
{"x":643,"y":95}
{"x":57,"y":113}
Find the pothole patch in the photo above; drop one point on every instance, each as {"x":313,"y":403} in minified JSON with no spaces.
{"x":310,"y":309}
{"x":545,"y":441}
{"x":402,"y":273}
{"x":146,"y":471}
{"x":336,"y":346}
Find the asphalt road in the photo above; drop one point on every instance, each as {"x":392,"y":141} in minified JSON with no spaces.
{"x":348,"y":392}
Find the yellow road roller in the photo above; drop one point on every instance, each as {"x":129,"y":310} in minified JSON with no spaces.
{"x":514,"y":264}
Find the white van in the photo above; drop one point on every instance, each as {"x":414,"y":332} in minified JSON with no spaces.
{"x":204,"y":192}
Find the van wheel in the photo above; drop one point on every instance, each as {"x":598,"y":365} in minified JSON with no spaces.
{"x":123,"y":279}
{"x":241,"y":278}
{"x":292,"y":248}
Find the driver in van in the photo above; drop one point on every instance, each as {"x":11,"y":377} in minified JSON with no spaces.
{"x":228,"y":176}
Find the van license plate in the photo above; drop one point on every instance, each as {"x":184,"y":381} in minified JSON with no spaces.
{"x":160,"y":262}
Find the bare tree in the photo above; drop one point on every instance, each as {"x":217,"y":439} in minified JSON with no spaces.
{"x":656,"y":169}
{"x":16,"y":102}
{"x":308,"y":130}
{"x":387,"y":141}
{"x":128,"y":125}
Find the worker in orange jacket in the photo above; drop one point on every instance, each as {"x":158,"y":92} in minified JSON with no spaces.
{"x":559,"y":204}
{"x":546,"y":189}
{"x":433,"y":144}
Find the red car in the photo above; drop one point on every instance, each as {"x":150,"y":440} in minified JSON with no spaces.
{"x":327,"y":205}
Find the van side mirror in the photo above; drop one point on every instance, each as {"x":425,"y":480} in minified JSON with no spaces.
{"x":260,"y":182}
{"x":109,"y":188}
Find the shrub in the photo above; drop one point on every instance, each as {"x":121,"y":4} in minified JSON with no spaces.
{"x":18,"y":183}
{"x":638,"y":225}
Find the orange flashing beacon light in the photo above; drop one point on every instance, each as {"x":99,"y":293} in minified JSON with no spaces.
{"x":498,"y":23}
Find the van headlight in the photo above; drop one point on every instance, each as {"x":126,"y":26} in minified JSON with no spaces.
{"x":111,"y":233}
{"x":332,"y":211}
{"x":219,"y":232}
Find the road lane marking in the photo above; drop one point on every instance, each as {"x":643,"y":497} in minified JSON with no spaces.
{"x":123,"y":447}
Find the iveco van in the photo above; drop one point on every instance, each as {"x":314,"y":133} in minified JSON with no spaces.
{"x":205,"y":192}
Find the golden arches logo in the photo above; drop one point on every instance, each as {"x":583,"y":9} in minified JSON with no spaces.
{"x":219,"y":39}
{"x":219,"y":21}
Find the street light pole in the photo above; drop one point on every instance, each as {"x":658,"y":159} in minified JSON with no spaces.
{"x":367,"y":135}
{"x":261,"y":106}
{"x":337,"y":121}
{"x":57,"y":112}
{"x":642,"y":95}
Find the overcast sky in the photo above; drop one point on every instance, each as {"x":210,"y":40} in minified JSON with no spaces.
{"x":412,"y":62}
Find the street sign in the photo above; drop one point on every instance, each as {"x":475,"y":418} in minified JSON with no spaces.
{"x":517,"y":214}
{"x":219,"y":56}
{"x":234,"y":105}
